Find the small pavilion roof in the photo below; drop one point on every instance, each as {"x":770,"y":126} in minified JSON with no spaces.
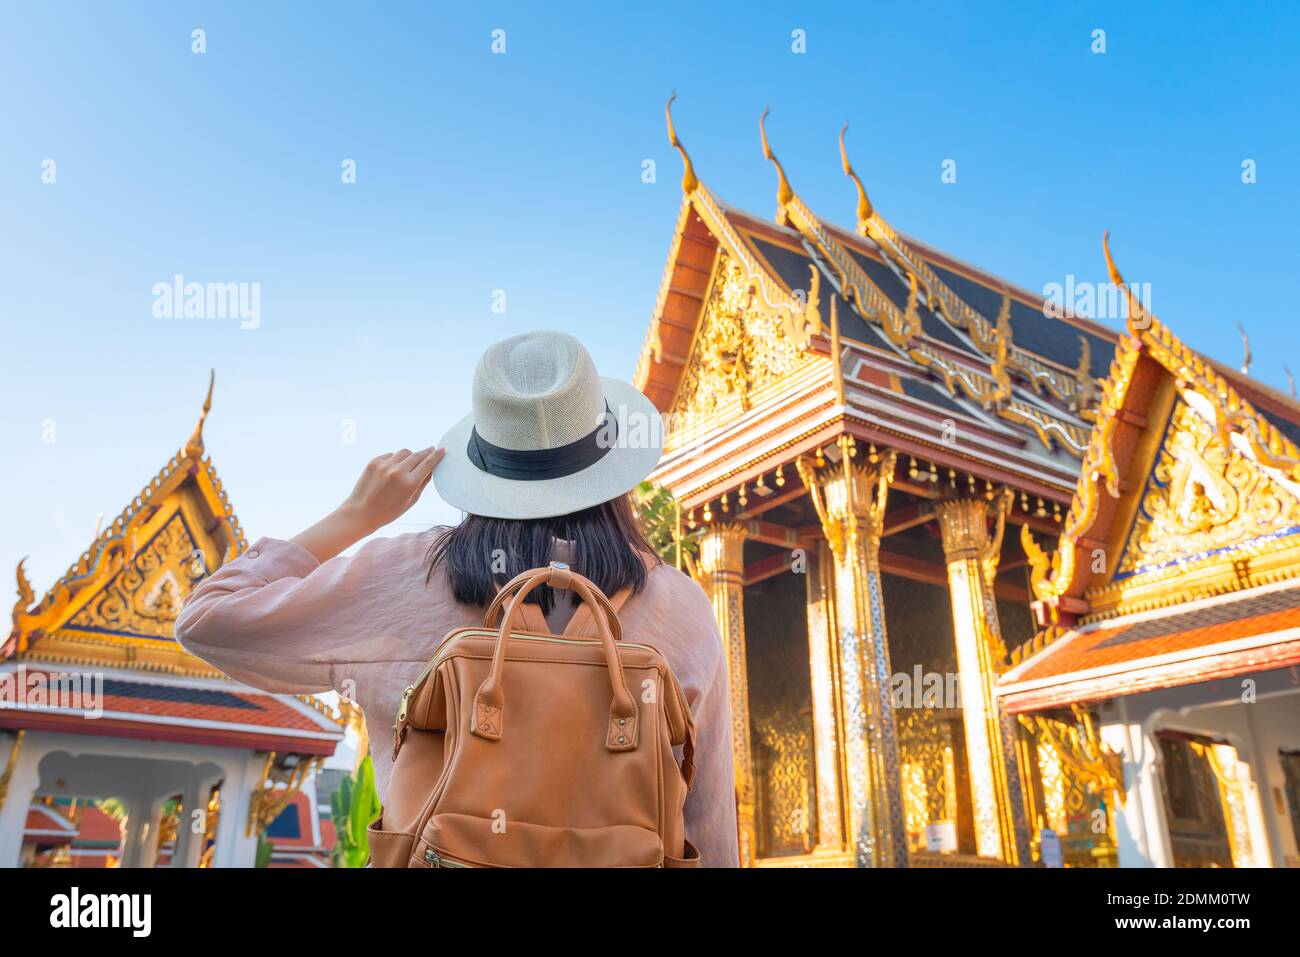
{"x":185,"y":710}
{"x":1221,"y":637}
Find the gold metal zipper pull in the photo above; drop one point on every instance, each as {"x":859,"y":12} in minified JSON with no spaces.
{"x":406,"y":700}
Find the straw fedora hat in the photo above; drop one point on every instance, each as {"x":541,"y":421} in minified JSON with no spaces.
{"x":548,"y":436}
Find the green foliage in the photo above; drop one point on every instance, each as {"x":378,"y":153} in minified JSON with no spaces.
{"x":659,"y":521}
{"x":112,"y":807}
{"x":354,"y":806}
{"x":264,"y":850}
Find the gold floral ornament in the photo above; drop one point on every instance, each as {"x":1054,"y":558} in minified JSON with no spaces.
{"x":1001,"y":353}
{"x":759,"y":328}
{"x":998,"y":508}
{"x":742,"y":344}
{"x":282,"y":777}
{"x":1087,"y":386}
{"x":1079,"y":745}
{"x":1201,"y":497}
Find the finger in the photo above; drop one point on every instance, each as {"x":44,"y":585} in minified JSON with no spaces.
{"x":399,"y":456}
{"x":419,"y":490}
{"x":417,"y":459}
{"x":427,"y":463}
{"x":379,"y":458}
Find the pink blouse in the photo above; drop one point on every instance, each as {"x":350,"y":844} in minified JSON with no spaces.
{"x":365,"y":625}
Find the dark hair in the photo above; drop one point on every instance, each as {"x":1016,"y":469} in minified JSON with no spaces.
{"x":481,"y":554}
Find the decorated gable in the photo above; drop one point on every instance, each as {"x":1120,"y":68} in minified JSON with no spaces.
{"x":741,"y":346}
{"x":1208,"y":519}
{"x":117,"y":605}
{"x":1189,"y":489}
{"x":1203,"y":500}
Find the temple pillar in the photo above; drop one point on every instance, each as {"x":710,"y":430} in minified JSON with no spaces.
{"x":823,"y":671}
{"x":972,"y":555}
{"x":234,"y":843}
{"x":849,"y":497}
{"x":185,"y":852}
{"x":19,"y":778}
{"x":722,"y":575}
{"x":143,"y":820}
{"x":189,"y":842}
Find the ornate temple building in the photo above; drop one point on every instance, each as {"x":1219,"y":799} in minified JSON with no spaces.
{"x":119,"y":747}
{"x":997,"y":584}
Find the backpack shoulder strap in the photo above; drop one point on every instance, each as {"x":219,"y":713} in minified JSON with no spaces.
{"x":530,"y":618}
{"x":582,"y":623}
{"x":533,"y":620}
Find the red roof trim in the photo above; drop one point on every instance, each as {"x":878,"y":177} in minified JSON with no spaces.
{"x":75,"y":723}
{"x":1208,"y":667}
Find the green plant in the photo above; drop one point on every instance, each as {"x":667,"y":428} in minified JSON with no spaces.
{"x":354,"y":806}
{"x":264,"y":851}
{"x":660,"y":521}
{"x":112,"y":807}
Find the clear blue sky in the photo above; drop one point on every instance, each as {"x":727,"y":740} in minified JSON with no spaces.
{"x":522,"y":172}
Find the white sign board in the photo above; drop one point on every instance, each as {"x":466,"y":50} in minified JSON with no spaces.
{"x":1050,"y":848}
{"x":941,"y":836}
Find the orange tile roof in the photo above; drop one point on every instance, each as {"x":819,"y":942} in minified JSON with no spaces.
{"x":47,"y":826}
{"x":193,"y":713}
{"x":98,"y":828}
{"x":1254,"y":631}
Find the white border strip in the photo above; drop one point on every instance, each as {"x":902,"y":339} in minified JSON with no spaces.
{"x":1156,"y":661}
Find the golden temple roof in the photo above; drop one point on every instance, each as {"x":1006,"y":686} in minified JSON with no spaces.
{"x":117,"y":604}
{"x":987,"y":354}
{"x":1199,"y":486}
{"x":952,"y":323}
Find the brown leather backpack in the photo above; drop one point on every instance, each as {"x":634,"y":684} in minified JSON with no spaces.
{"x":519,"y":748}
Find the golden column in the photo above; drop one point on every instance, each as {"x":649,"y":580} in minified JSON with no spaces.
{"x":849,"y":497}
{"x":971,"y":553}
{"x":722,"y":575}
{"x":823,"y":672}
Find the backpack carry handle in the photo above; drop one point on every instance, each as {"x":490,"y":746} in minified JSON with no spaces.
{"x":492,"y":616}
{"x":489,"y":701}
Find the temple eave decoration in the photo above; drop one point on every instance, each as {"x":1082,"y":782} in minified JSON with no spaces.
{"x":1234,"y":471}
{"x":121,"y":595}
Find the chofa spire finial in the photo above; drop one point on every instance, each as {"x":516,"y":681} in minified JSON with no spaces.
{"x":783,"y":191}
{"x":194,"y":447}
{"x":689,"y":180}
{"x":865,"y":209}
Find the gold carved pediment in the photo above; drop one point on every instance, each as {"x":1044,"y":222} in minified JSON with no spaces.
{"x":743,"y":344}
{"x":144,"y":597}
{"x":1203,"y":498}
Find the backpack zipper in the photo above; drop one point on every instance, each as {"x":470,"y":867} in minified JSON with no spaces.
{"x":399,"y":726}
{"x":410,"y":689}
{"x":434,"y":859}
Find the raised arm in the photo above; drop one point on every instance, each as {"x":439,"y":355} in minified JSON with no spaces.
{"x":388,"y":487}
{"x":281,"y":615}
